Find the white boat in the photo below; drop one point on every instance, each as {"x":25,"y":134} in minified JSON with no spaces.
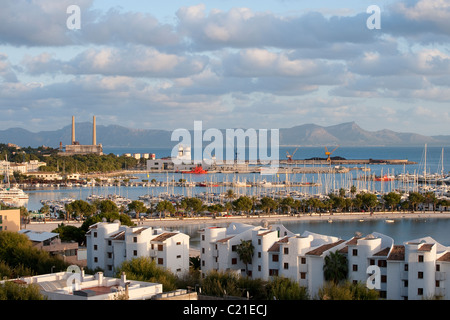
{"x":389,"y":221}
{"x":11,"y":195}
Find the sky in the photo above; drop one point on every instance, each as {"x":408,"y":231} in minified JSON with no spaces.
{"x":264,"y":64}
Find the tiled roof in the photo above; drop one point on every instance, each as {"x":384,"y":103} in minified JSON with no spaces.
{"x":397,"y":253}
{"x":426,"y":247}
{"x":445,"y":258}
{"x":320,"y":250}
{"x":353,"y":242}
{"x":274,"y":248}
{"x":118,"y":236}
{"x":138,"y":231}
{"x":382,"y":253}
{"x":164,"y":236}
{"x":224,"y":239}
{"x":264,"y":233}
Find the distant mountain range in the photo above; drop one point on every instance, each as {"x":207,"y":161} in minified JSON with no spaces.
{"x":345,"y":134}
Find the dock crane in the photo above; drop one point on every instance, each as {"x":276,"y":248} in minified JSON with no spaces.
{"x":328,"y":153}
{"x":289,"y":156}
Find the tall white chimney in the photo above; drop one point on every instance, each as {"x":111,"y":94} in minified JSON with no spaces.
{"x":94,"y":133}
{"x":73,"y":129}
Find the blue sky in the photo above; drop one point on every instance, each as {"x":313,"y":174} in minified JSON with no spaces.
{"x":252,"y":64}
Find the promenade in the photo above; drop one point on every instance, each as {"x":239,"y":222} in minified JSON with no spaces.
{"x":271,"y":219}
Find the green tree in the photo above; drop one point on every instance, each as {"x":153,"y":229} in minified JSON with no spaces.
{"x":369,"y":200}
{"x":146,"y":269}
{"x":414,"y":199}
{"x":137,"y":207}
{"x":165,"y":207}
{"x":268,"y":204}
{"x":346,"y":291}
{"x":13,"y":291}
{"x":80,"y":208}
{"x":392,"y":199}
{"x":243,"y":203}
{"x":281,"y":288}
{"x":335,"y":267}
{"x":245,"y":252}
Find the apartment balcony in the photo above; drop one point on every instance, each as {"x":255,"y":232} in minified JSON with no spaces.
{"x":153,"y":253}
{"x":440,"y":276}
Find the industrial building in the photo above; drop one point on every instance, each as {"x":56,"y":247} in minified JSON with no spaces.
{"x":75,"y":148}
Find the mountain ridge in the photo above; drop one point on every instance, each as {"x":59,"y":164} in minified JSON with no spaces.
{"x":344,"y":134}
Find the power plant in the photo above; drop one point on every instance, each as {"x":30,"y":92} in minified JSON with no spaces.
{"x":78,"y":149}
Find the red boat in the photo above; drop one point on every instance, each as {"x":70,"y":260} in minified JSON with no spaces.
{"x":385,"y":178}
{"x":197,"y":170}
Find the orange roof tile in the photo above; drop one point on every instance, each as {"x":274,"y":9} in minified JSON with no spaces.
{"x":320,"y":250}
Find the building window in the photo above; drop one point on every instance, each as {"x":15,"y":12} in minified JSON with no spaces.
{"x":420,"y":275}
{"x":95,"y":259}
{"x":420,"y":291}
{"x":259,"y":268}
{"x":420,"y":258}
{"x":134,"y":239}
{"x":303,"y":275}
{"x":355,"y":267}
{"x":95,"y":234}
{"x":109,"y":242}
{"x":383,"y":279}
{"x":273,"y":272}
{"x":179,"y":256}
{"x":372,"y":262}
{"x":109,"y":255}
{"x":438,"y":267}
{"x":95,"y":247}
{"x":259,"y":241}
{"x":203,"y":237}
{"x":275,"y":258}
{"x":233,"y":248}
{"x":203,"y":250}
{"x":355,"y":252}
{"x":286,"y":266}
{"x":234,"y":261}
{"x":179,"y":270}
{"x":303,"y":260}
{"x":438,"y":284}
{"x":382,"y":263}
{"x":286,"y":250}
{"x":406,"y":267}
{"x":160,"y":261}
{"x":259,"y":254}
{"x":109,"y":267}
{"x":405,"y":283}
{"x":178,"y":243}
{"x":135,"y":253}
{"x":160,"y":247}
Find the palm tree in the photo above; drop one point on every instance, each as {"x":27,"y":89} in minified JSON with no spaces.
{"x":335,"y":268}
{"x":230,"y":194}
{"x":245,"y":252}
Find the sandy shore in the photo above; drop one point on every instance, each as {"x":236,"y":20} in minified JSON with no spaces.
{"x":171,"y":222}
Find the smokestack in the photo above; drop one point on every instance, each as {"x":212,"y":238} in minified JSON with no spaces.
{"x":94,"y":133}
{"x":73,"y":130}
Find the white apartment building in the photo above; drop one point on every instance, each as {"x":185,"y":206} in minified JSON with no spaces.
{"x":110,"y":244}
{"x":415,"y":270}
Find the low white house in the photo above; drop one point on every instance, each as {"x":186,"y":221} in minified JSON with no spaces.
{"x":79,"y":286}
{"x":110,"y":244}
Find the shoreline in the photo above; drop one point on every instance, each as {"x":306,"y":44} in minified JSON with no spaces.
{"x":174,"y":222}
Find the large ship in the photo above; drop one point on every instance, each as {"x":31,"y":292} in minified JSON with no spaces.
{"x":11,"y":195}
